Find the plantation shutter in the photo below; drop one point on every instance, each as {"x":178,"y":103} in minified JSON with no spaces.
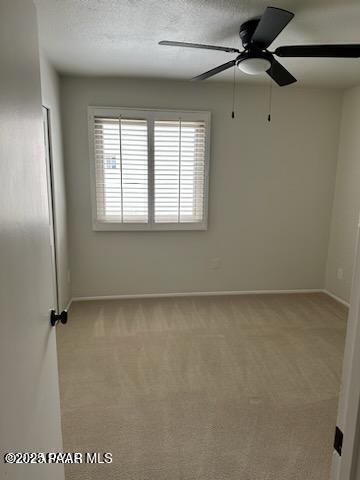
{"x":121,"y":170}
{"x":179,"y":171}
{"x":149,"y":168}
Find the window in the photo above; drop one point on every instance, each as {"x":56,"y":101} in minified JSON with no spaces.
{"x":149,"y":169}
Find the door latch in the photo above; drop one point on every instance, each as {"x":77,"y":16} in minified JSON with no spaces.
{"x":58,"y":317}
{"x":338,"y":441}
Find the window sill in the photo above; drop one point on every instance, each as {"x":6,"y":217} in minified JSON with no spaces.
{"x":145,"y":227}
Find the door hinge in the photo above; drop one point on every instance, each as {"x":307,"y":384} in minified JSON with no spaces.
{"x":338,"y":440}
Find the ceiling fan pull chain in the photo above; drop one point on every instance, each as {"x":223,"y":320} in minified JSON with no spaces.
{"x":233,"y":95}
{"x":270,"y":100}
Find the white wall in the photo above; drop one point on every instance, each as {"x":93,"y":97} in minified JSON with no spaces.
{"x":271,"y":190}
{"x":346,"y":208}
{"x":51,"y":99}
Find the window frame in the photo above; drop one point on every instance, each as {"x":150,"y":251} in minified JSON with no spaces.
{"x":149,"y":114}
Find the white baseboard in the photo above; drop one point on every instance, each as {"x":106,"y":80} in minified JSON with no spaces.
{"x":69,"y":304}
{"x":197,"y":294}
{"x":207,"y":294}
{"x":335,"y":297}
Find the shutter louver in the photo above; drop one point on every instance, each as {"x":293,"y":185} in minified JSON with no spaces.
{"x":179,"y":171}
{"x":121,"y":168}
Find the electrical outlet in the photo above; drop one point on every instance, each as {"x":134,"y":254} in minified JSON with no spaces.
{"x":340,"y":274}
{"x":215,"y":263}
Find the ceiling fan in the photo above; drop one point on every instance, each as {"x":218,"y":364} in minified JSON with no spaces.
{"x":256,"y":36}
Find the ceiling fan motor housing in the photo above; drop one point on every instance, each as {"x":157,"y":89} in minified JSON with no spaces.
{"x":254,"y":59}
{"x":247,"y":30}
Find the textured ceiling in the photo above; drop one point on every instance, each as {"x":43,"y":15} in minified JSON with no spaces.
{"x":120,"y":37}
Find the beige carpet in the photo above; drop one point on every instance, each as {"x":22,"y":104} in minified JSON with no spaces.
{"x":206,"y":388}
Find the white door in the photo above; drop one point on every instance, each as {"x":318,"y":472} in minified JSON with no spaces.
{"x":346,"y":465}
{"x":51,"y":204}
{"x":29,"y":391}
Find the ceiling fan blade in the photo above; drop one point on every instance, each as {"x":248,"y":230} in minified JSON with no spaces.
{"x":271,"y":24}
{"x":280,"y":75}
{"x":330,"y":51}
{"x":214,"y":71}
{"x":199,"y":45}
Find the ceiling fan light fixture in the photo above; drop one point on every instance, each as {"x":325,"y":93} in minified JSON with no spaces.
{"x":254,"y":65}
